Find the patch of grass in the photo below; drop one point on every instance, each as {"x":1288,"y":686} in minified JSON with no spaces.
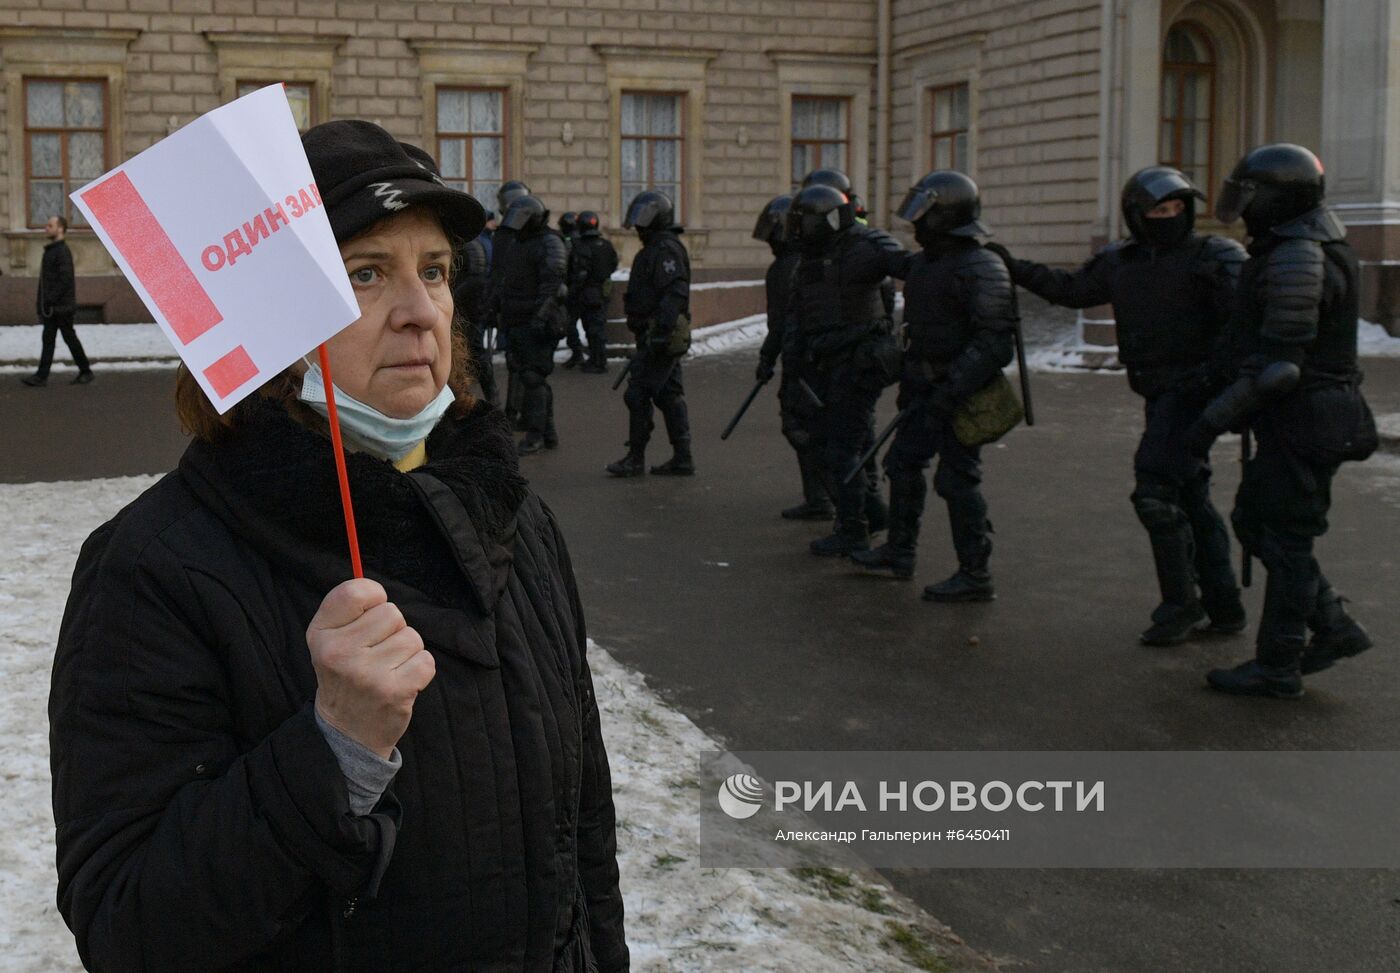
{"x":666,"y":860}
{"x":873,"y":900}
{"x":915,"y":950}
{"x":830,"y":881}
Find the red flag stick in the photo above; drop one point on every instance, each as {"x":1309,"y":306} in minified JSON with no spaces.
{"x":350,"y":535}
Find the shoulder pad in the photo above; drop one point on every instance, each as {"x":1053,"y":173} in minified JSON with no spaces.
{"x":1221,"y":253}
{"x":1292,"y":284}
{"x":553,"y":244}
{"x":982,"y":264}
{"x":1320,"y":225}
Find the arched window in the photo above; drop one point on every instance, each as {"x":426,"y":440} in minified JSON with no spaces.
{"x":1188,"y":105}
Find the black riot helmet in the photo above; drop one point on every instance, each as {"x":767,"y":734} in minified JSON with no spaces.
{"x":1272,"y":185}
{"x":588,"y":223}
{"x":509,"y":193}
{"x":526,"y":215}
{"x":944,"y":203}
{"x":568,"y":222}
{"x":817,"y":214}
{"x":771,"y":227}
{"x":1147,"y":189}
{"x":834,"y":178}
{"x":650,"y":210}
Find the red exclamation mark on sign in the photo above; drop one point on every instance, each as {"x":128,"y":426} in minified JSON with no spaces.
{"x":178,"y":295}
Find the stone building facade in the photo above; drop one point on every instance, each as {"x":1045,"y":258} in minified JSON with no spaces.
{"x":1049,"y":104}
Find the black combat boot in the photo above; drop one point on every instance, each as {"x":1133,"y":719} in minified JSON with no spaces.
{"x":532,"y":443}
{"x":1180,"y":612}
{"x":877,"y":513}
{"x":594,"y":366}
{"x":1275,"y":672}
{"x":1226,"y":611}
{"x":968,"y":523}
{"x":633,"y":464}
{"x":575,"y":357}
{"x":816,"y":505}
{"x":968,"y":584}
{"x":851,"y":533}
{"x":896,"y":555}
{"x":680,"y":464}
{"x":1336,"y":635}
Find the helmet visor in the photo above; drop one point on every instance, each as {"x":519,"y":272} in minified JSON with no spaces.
{"x":1164,"y":184}
{"x":641,"y":213}
{"x":518,"y":218}
{"x":916,"y":203}
{"x":1235,"y":197}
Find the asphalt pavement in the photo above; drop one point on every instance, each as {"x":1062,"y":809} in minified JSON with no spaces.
{"x":700,"y":586}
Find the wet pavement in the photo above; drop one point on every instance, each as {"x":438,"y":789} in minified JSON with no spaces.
{"x":699,"y":585}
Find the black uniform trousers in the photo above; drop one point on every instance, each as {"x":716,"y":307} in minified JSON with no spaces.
{"x":1172,"y":493}
{"x":530,"y":356}
{"x":54,"y":325}
{"x":958,"y":480}
{"x":595,"y":330}
{"x":839,"y":433}
{"x":655,"y":380}
{"x":1280,"y":510}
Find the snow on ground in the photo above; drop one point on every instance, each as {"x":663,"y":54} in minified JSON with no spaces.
{"x":681,"y":916}
{"x":1373,"y":341}
{"x":120,"y":346}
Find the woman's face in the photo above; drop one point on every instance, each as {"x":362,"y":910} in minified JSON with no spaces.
{"x":397,"y":356}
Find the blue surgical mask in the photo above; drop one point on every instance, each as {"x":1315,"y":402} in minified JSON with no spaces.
{"x":364,"y":427}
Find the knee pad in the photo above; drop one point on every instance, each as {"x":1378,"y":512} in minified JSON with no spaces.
{"x":1158,"y":507}
{"x":1276,"y":549}
{"x":531,"y":379}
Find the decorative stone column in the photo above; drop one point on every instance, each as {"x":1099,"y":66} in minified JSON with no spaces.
{"x":1361,"y":142}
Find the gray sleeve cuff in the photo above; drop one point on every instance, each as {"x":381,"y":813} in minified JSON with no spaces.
{"x":367,"y":775}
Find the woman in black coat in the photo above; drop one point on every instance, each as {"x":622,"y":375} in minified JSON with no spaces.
{"x":259,"y":765}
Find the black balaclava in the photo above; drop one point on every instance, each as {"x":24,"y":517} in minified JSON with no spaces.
{"x":1168,"y":231}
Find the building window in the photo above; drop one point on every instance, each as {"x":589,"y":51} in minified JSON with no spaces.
{"x":1188,"y":102}
{"x":948,"y":131}
{"x":301,"y":95}
{"x":471,"y":140}
{"x":820,"y":135}
{"x":652,"y":146}
{"x":65,"y":135}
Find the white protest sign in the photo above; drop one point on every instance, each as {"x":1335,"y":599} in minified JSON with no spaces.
{"x":221,"y":231}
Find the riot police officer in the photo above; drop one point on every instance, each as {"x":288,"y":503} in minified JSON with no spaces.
{"x":657,"y":303}
{"x":779,"y":343}
{"x":568,"y":232}
{"x":468,"y":293}
{"x":1171,"y":290}
{"x":529,"y":305}
{"x":844,"y":345}
{"x":1297,"y":388}
{"x":500,"y":246}
{"x":959,"y":333}
{"x":591,"y":265}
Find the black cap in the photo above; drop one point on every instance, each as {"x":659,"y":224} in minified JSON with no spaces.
{"x":365,"y":174}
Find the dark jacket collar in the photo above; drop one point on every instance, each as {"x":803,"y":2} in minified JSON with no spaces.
{"x":445,"y":530}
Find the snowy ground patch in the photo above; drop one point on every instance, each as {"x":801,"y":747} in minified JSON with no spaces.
{"x":110,"y":346}
{"x":680,"y":917}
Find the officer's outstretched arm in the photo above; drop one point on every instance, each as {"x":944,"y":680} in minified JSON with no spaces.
{"x":1088,"y":286}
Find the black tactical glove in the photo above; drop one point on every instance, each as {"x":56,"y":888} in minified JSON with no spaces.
{"x":764,"y":373}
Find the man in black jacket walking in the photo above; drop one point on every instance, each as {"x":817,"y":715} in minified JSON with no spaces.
{"x":56,"y":303}
{"x":1171,"y":290}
